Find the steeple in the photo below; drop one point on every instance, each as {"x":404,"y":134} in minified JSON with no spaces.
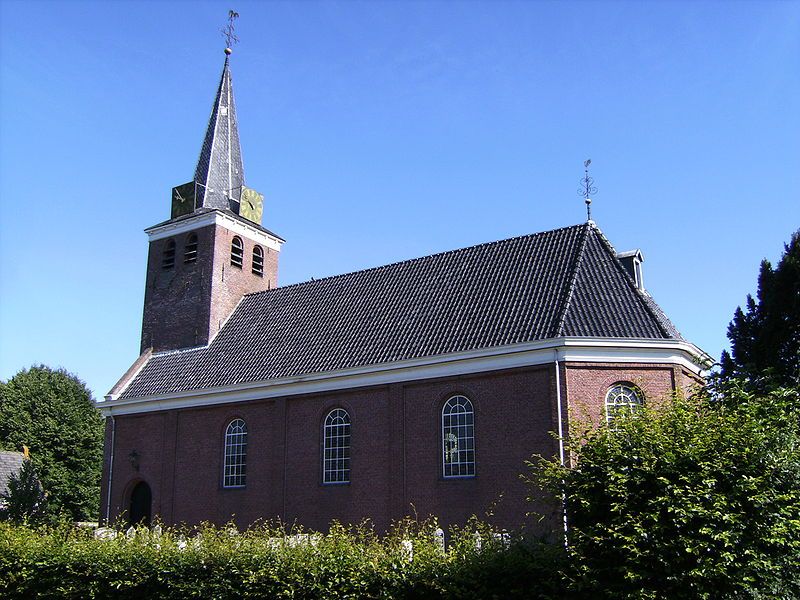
{"x":213,"y":250}
{"x":219,"y":175}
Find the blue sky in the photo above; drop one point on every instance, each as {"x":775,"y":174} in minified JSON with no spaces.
{"x":381,"y":131}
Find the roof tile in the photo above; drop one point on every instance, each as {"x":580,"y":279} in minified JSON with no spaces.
{"x":564,"y":282}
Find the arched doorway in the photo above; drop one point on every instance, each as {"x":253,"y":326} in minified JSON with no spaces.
{"x":141,"y":500}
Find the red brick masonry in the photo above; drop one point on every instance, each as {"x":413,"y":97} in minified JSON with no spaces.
{"x":396,"y":466}
{"x":186,"y":305}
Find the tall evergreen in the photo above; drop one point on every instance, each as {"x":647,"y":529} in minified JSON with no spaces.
{"x":765,"y":339}
{"x":25,"y":500}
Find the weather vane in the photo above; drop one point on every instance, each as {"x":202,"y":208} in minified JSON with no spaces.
{"x":587,"y":188}
{"x":229,"y":31}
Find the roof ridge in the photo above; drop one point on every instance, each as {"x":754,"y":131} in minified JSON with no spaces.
{"x":415,"y":259}
{"x":573,"y":278}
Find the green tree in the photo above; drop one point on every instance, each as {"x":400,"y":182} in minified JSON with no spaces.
{"x":51,"y":412}
{"x":765,"y":340}
{"x":25,"y":500}
{"x":691,"y":499}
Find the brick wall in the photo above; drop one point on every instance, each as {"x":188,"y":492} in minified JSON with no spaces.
{"x":186,"y":305}
{"x":229,"y":283}
{"x":586,"y":385}
{"x":396,"y":464}
{"x":176,"y":307}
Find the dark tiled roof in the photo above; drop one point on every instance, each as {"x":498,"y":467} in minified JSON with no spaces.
{"x":565,"y":282}
{"x":10,"y":464}
{"x":602,"y":304}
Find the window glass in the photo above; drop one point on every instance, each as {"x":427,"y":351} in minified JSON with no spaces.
{"x":336,"y":447}
{"x":622,"y":397}
{"x":458,"y":438}
{"x":235,"y":466}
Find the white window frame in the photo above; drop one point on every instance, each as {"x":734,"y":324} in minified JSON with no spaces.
{"x":336,"y":435}
{"x":622,"y":396}
{"x":234,"y":463}
{"x":458,"y":436}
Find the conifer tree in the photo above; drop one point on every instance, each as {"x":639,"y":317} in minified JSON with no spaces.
{"x":25,"y":500}
{"x":765,"y":338}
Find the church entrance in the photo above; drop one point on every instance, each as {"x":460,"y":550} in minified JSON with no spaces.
{"x":141,"y":498}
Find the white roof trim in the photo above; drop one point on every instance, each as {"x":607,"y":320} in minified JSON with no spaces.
{"x":214,"y":218}
{"x":594,"y":350}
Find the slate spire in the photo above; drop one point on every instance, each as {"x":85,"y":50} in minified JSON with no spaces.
{"x":219,"y":176}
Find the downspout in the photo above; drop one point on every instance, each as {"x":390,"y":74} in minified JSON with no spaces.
{"x":110,"y":469}
{"x":561,"y":443}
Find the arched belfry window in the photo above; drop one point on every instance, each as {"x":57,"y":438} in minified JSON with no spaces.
{"x":237,"y":252}
{"x":622,"y":397}
{"x":190,"y":250}
{"x":235,"y":465}
{"x":168,"y":258}
{"x":336,"y":447}
{"x":258,"y":261}
{"x":458,"y":438}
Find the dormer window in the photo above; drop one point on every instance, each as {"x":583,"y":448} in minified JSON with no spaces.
{"x":168,"y":258}
{"x":237,"y":252}
{"x":190,"y":250}
{"x":258,"y":261}
{"x":637,"y":270}
{"x":632,"y":262}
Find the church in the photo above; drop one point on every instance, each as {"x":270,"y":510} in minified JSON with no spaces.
{"x":414,"y":388}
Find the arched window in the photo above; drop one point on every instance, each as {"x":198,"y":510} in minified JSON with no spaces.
{"x":258,"y":261}
{"x":336,"y":447}
{"x":168,"y":259}
{"x":190,"y":250}
{"x":622,"y":397}
{"x":237,"y":252}
{"x":458,"y":438}
{"x":235,"y":466}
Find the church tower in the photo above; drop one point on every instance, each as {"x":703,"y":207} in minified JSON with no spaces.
{"x":213,"y":249}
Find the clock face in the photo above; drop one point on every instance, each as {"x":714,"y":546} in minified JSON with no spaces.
{"x":182,"y":199}
{"x":252,"y":205}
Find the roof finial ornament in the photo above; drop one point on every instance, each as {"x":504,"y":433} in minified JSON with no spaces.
{"x":587,"y":188}
{"x":228,"y":32}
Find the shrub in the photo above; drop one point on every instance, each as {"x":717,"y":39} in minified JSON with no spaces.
{"x":694,"y":499}
{"x":268,"y":562}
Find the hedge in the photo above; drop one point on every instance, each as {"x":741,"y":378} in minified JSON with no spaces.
{"x":268,"y":562}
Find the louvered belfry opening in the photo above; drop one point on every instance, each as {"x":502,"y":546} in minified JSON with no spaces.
{"x":237,"y":252}
{"x":168,"y":259}
{"x":190,"y":249}
{"x":258,"y":261}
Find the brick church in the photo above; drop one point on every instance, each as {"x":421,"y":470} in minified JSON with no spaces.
{"x":419,"y":387}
